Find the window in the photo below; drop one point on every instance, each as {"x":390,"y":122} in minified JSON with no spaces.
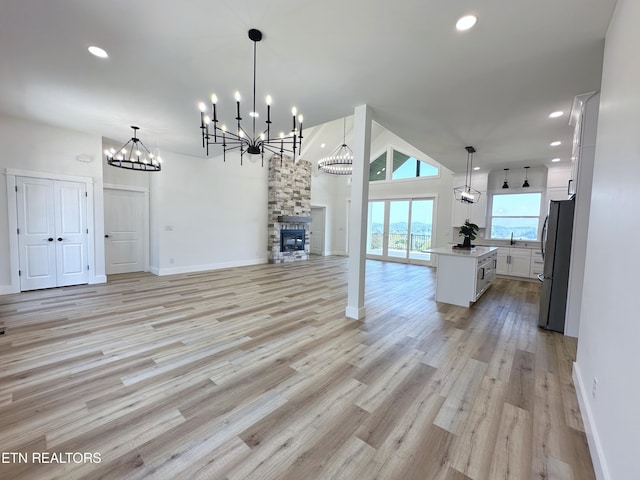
{"x":516,"y":214}
{"x":405,"y":166}
{"x":378,"y":168}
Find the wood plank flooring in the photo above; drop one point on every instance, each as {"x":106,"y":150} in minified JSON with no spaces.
{"x":255,"y":373}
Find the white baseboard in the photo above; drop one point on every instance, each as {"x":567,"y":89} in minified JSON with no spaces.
{"x":8,"y":289}
{"x":210,"y":266}
{"x":595,"y":446}
{"x":99,"y":279}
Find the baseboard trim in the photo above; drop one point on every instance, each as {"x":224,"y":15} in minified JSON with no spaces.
{"x":355,"y":313}
{"x":595,"y":446}
{"x":8,"y":289}
{"x":210,"y":266}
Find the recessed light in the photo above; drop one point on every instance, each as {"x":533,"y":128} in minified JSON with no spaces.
{"x":556,"y":143}
{"x":555,"y":160}
{"x":476,"y":168}
{"x":322,"y":145}
{"x":98,"y":52}
{"x":466,"y":22}
{"x":556,"y":114}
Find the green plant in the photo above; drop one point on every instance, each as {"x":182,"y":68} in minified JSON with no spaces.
{"x":469,"y":230}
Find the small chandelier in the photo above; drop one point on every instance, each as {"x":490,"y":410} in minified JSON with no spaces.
{"x":465,"y":193}
{"x":505,"y":184}
{"x":131,"y":157}
{"x":254,"y":144}
{"x":526,"y":178}
{"x":340,"y":162}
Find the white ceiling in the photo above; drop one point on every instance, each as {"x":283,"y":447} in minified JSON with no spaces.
{"x":491,"y":87}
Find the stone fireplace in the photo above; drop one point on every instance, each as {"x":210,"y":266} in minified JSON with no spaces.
{"x":289,"y":210}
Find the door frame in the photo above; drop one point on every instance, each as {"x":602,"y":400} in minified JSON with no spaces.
{"x":323,"y":211}
{"x":12,"y":214}
{"x":389,"y":198}
{"x":145,"y":224}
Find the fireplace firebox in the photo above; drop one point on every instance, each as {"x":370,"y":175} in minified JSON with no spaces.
{"x":291,"y":240}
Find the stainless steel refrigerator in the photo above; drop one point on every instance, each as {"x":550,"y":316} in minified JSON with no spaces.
{"x":556,"y":250}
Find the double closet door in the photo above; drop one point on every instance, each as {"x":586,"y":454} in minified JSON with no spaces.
{"x":52,"y":233}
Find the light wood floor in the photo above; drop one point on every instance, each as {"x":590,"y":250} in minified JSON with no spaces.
{"x":255,"y":373}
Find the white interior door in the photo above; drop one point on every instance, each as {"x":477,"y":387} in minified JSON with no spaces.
{"x":36,"y":233}
{"x":317,"y":230}
{"x":124,"y":230}
{"x":52,"y":231}
{"x":71,"y":233}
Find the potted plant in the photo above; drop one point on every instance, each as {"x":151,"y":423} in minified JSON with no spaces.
{"x":468,"y":231}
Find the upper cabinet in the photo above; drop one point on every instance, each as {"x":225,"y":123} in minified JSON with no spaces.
{"x":476,"y":212}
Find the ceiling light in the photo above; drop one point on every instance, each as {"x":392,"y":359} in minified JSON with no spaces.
{"x":556,"y":114}
{"x":466,"y":22}
{"x":555,"y":160}
{"x":130,"y":156}
{"x":556,"y":143}
{"x":465,"y":193}
{"x":322,"y":145}
{"x":252,"y":144}
{"x":505,"y":184}
{"x":98,"y":52}
{"x":526,"y":178}
{"x":476,"y":168}
{"x":340,"y":162}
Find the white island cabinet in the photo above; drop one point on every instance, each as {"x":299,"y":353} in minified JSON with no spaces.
{"x":464,"y":275}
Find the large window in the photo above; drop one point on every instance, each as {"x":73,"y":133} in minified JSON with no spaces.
{"x":402,"y":166}
{"x":515,"y":215}
{"x":405,"y":166}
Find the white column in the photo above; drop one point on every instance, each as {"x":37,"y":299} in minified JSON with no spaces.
{"x":358,"y":213}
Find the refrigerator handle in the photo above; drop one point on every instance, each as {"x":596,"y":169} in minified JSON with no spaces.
{"x":544,"y":234}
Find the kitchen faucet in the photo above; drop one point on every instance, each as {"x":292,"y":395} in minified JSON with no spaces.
{"x":512,"y":241}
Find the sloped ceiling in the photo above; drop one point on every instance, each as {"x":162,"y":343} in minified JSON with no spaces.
{"x":492,"y":87}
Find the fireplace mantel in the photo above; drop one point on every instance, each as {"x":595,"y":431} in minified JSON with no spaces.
{"x":293,"y":219}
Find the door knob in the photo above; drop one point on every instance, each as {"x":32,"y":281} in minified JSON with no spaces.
{"x":59,"y":239}
{"x":50,"y":239}
{"x":106,"y":236}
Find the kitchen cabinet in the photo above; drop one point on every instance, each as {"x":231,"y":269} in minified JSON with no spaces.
{"x":514,"y":261}
{"x":464,"y":275}
{"x":537,"y":263}
{"x":477,"y":212}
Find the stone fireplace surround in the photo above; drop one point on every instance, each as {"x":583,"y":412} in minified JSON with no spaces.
{"x":289,"y":205}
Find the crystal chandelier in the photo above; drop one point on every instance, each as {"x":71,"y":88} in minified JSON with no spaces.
{"x":131,"y":157}
{"x":465,"y":193}
{"x":340,"y":162}
{"x":215,"y":133}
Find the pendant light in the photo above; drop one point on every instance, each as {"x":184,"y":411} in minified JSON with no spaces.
{"x":465,"y":193}
{"x":340,"y":162}
{"x":505,"y":184}
{"x":526,"y":178}
{"x":134,"y":155}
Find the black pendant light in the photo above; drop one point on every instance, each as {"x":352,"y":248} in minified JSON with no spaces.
{"x":505,"y":184}
{"x":526,"y":178}
{"x":465,"y":193}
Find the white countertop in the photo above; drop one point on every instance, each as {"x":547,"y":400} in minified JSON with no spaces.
{"x":458,"y":252}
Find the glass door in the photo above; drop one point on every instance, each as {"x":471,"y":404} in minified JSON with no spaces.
{"x":400,"y":230}
{"x":421,"y":228}
{"x":375,"y":229}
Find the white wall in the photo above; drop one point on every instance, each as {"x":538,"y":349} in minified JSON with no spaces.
{"x":329,"y":191}
{"x":207,"y":214}
{"x":609,"y":339}
{"x":46,"y":149}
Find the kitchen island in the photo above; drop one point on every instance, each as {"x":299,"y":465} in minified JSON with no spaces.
{"x":464,"y":275}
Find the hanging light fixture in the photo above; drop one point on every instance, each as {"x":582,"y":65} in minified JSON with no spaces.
{"x":505,"y":184}
{"x":465,"y":193}
{"x":340,"y":162}
{"x":254,"y":144}
{"x":131,"y":157}
{"x":526,"y":178}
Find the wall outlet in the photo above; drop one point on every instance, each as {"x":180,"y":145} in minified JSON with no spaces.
{"x":594,"y":387}
{"x":171,"y":260}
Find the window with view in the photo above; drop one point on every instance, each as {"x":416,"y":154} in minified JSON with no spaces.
{"x":405,"y":166}
{"x":516,"y":214}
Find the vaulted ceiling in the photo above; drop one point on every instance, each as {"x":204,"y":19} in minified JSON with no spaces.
{"x":492,"y":87}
